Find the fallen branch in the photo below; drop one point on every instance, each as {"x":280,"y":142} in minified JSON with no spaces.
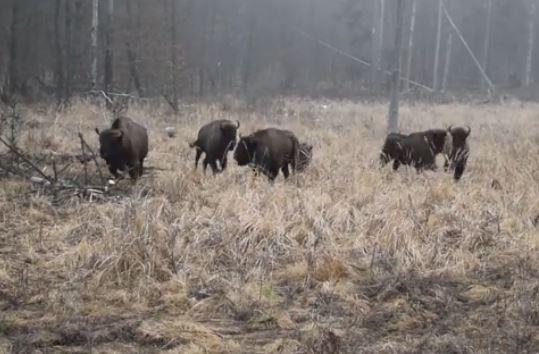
{"x":22,"y":157}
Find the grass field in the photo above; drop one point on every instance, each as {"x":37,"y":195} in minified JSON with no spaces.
{"x":346,"y":257}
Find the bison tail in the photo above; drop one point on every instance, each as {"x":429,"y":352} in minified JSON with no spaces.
{"x":193,"y":144}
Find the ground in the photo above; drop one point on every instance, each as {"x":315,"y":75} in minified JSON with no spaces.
{"x":345,"y":257}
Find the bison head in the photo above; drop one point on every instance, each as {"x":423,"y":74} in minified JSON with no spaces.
{"x":392,"y":149}
{"x":459,"y":135}
{"x":245,"y":150}
{"x":229,"y":131}
{"x":110,"y":141}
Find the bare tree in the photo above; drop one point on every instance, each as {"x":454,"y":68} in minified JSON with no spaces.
{"x":378,"y":40}
{"x":531,"y":42}
{"x":59,"y":72}
{"x":448,"y":50}
{"x":94,"y":32}
{"x":109,"y":55}
{"x":486,"y":44}
{"x":173,"y":101}
{"x":131,"y":54}
{"x":410,"y":45}
{"x":13,"y":77}
{"x":393,"y":117}
{"x":438,"y":45}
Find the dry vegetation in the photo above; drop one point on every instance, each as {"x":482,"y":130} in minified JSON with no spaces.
{"x":346,"y":257}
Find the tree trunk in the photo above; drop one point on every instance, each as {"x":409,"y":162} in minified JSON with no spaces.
{"x":94,"y":32}
{"x":59,"y":72}
{"x":109,"y":55}
{"x":131,"y":54}
{"x":378,"y":34}
{"x":393,"y":117}
{"x":410,"y":45}
{"x":174,"y":56}
{"x":531,"y":40}
{"x":13,"y":75}
{"x":486,"y":44}
{"x":448,"y":50}
{"x":437,"y":50}
{"x":68,"y":48}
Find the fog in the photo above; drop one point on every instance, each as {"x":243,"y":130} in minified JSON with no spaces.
{"x":183,"y":48}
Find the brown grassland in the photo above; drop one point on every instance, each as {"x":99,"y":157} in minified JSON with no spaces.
{"x":345,"y":257}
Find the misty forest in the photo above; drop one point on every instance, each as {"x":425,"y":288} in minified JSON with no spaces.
{"x":269,"y":176}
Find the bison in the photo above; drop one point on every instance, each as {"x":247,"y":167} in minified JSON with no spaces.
{"x":269,"y":150}
{"x":458,"y":151}
{"x":417,"y":149}
{"x":305,"y":155}
{"x":124,"y":146}
{"x":215,"y":139}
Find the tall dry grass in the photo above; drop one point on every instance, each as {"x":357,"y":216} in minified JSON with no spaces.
{"x":345,"y":257}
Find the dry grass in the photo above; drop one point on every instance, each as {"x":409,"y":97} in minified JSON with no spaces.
{"x":345,"y":258}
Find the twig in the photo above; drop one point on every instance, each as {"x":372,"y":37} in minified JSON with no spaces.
{"x":93,"y":156}
{"x":84,"y":158}
{"x":19,"y":154}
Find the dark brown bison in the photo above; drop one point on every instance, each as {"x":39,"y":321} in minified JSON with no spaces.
{"x":458,"y":151}
{"x":305,"y":155}
{"x":215,"y":139}
{"x":124,"y":146}
{"x":417,"y":149}
{"x":269,"y":150}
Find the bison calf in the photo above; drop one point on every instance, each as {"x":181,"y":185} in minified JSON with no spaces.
{"x":124,"y":146}
{"x":417,"y":149}
{"x":215,"y":139}
{"x":459,"y":150}
{"x":269,"y":150}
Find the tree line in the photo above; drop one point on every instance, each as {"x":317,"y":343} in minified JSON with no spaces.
{"x":181,"y":48}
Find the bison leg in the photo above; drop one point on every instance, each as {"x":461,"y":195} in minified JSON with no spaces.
{"x":224,"y":162}
{"x":199,"y":153}
{"x":459,"y":169}
{"x":285,"y":170}
{"x":396,"y":165}
{"x":213,"y":165}
{"x":114,"y":171}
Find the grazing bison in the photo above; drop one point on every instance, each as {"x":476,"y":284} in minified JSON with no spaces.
{"x":124,"y":145}
{"x":269,"y":150}
{"x":305,"y":155}
{"x":215,"y":139}
{"x":459,"y":150}
{"x":417,"y":149}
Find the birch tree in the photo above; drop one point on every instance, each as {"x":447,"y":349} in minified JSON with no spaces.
{"x":109,"y":55}
{"x":486,"y":44}
{"x":93,"y":33}
{"x":531,"y":42}
{"x":393,"y":117}
{"x":410,"y":45}
{"x":437,"y":49}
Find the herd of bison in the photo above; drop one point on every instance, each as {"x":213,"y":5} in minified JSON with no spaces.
{"x":125,"y":145}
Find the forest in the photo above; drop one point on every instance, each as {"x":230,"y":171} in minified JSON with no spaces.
{"x":186,"y":48}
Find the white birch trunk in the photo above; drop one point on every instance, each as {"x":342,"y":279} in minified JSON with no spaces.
{"x":437,"y":50}
{"x":410,"y":45}
{"x":448,"y":50}
{"x":531,"y":40}
{"x":393,"y":117}
{"x":95,"y":28}
{"x":486,"y":45}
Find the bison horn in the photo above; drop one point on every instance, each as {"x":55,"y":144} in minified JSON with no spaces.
{"x":468,"y":130}
{"x":238,"y":124}
{"x":450,"y":128}
{"x":97,"y":131}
